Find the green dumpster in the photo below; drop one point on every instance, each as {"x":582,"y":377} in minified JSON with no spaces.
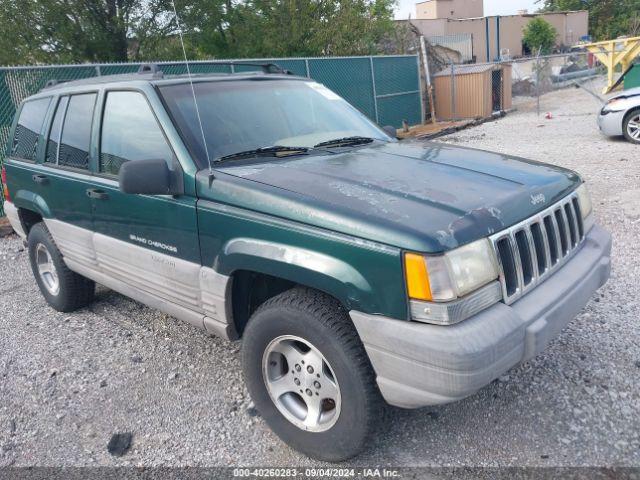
{"x":632,"y":79}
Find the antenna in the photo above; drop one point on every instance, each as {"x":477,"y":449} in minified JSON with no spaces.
{"x":193,"y":92}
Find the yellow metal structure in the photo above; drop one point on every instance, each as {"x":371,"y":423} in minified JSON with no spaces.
{"x":613,"y":53}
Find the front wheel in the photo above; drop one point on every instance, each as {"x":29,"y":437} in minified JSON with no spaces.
{"x":631,"y":127}
{"x":309,"y":376}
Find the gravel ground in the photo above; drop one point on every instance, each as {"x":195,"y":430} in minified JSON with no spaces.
{"x":68,"y":382}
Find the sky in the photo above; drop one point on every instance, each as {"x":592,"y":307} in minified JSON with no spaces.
{"x":491,"y":7}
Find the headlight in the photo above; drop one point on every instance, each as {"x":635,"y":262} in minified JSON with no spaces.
{"x":615,"y":105}
{"x":444,"y":278}
{"x":584,"y":199}
{"x":472,"y":266}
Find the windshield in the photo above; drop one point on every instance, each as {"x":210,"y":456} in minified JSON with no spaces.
{"x":244,"y":115}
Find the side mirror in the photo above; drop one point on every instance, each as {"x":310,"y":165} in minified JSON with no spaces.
{"x":147,"y":177}
{"x":391,"y":131}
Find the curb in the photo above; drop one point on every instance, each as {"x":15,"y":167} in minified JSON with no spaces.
{"x":473,"y":123}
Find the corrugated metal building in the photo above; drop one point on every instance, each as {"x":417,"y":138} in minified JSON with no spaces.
{"x":472,"y":91}
{"x":494,"y":36}
{"x":462,"y":43}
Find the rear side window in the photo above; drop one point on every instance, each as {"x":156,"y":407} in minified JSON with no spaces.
{"x":130,"y":132}
{"x":56,"y":129}
{"x":27,"y":134}
{"x":76,"y":131}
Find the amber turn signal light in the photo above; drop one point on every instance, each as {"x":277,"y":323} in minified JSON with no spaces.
{"x":417,"y":277}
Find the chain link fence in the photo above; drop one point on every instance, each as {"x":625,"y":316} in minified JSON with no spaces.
{"x":483,"y":90}
{"x":385,"y":88}
{"x":549,"y":73}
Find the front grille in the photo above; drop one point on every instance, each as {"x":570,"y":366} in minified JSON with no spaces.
{"x":531,"y":250}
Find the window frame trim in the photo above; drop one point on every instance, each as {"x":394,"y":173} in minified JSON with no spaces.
{"x":64,"y":122}
{"x":14,"y":126}
{"x":59,"y":99}
{"x":86,"y":171}
{"x":103,"y":103}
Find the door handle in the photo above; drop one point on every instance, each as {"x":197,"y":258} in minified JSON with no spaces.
{"x":97,"y":194}
{"x":40,"y":179}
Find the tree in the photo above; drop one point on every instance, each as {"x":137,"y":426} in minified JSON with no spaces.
{"x":608,"y":19}
{"x":276,"y":28}
{"x":69,"y":31}
{"x":539,"y":35}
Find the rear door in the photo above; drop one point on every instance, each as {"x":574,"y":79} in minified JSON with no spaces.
{"x":23,"y":148}
{"x":64,"y":177}
{"x":149,"y":241}
{"x":50,"y":157}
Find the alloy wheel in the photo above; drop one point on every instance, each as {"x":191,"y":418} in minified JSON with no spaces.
{"x":633,"y":127}
{"x":301,"y":383}
{"x":47,"y":270}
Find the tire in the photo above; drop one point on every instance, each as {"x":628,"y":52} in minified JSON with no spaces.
{"x":320,"y":321}
{"x":632,"y":133}
{"x":64,"y":290}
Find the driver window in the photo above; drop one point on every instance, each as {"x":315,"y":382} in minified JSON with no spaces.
{"x":130,"y":132}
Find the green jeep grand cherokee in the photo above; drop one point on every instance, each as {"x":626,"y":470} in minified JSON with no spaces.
{"x":262,"y":206}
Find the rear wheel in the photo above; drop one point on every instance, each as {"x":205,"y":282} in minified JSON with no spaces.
{"x":631,"y":126}
{"x":309,"y":376}
{"x":63,"y":289}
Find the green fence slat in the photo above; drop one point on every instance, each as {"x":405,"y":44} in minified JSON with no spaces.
{"x":118,"y":69}
{"x":349,"y":77}
{"x":393,"y":110}
{"x":396,"y":74}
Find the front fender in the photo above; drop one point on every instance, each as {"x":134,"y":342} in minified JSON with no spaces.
{"x":310,"y":268}
{"x":362,"y":275}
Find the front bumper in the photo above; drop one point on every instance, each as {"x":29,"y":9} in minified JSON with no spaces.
{"x":419,"y":365}
{"x":611,"y":123}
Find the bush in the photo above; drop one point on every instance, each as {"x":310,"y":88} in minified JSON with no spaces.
{"x":539,"y":35}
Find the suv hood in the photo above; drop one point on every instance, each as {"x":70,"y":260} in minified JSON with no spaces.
{"x":422,"y":196}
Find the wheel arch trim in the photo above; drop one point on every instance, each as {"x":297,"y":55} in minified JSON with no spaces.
{"x":31,"y":201}
{"x":301,"y":266}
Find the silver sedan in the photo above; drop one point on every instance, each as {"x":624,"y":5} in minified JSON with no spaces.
{"x":621,"y":116}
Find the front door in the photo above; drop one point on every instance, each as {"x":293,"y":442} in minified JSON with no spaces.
{"x":147,"y":241}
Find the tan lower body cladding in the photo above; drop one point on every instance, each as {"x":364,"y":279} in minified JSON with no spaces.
{"x":185,"y":290}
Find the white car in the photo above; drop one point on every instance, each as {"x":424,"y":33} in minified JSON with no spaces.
{"x":621,"y":116}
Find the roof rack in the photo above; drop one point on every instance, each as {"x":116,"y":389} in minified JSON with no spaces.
{"x":152,"y":68}
{"x":156,"y":71}
{"x":53,"y":82}
{"x":273,"y":68}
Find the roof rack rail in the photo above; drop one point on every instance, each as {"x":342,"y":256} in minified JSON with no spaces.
{"x":152,"y":68}
{"x":273,"y":68}
{"x":51,"y":83}
{"x":266,"y":67}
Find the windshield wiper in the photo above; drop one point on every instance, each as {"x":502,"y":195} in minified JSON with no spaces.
{"x":275,"y":151}
{"x":345,"y":142}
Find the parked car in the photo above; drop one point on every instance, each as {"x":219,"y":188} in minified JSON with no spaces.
{"x":621,"y":116}
{"x":355,"y":269}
